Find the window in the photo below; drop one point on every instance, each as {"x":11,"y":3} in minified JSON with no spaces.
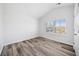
{"x":56,"y":26}
{"x":60,"y":26}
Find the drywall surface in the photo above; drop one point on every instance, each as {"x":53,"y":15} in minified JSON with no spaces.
{"x":1,"y":28}
{"x":18,"y":26}
{"x":59,"y":13}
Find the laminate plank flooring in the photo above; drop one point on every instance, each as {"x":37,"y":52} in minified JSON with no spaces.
{"x":37,"y":47}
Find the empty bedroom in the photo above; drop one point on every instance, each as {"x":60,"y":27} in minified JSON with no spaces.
{"x":39,"y":29}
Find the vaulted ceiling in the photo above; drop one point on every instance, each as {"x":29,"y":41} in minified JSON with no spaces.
{"x":36,"y":10}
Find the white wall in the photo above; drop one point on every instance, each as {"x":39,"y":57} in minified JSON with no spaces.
{"x":17,"y":25}
{"x":58,"y":13}
{"x":1,"y":28}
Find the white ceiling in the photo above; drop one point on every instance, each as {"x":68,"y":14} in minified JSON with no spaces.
{"x":37,"y":10}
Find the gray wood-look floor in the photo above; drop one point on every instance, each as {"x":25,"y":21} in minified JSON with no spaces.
{"x":37,"y":47}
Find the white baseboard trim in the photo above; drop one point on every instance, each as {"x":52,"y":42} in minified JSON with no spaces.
{"x":58,"y":40}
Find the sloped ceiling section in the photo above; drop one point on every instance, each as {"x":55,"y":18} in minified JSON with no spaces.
{"x":35,"y":10}
{"x":40,"y":9}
